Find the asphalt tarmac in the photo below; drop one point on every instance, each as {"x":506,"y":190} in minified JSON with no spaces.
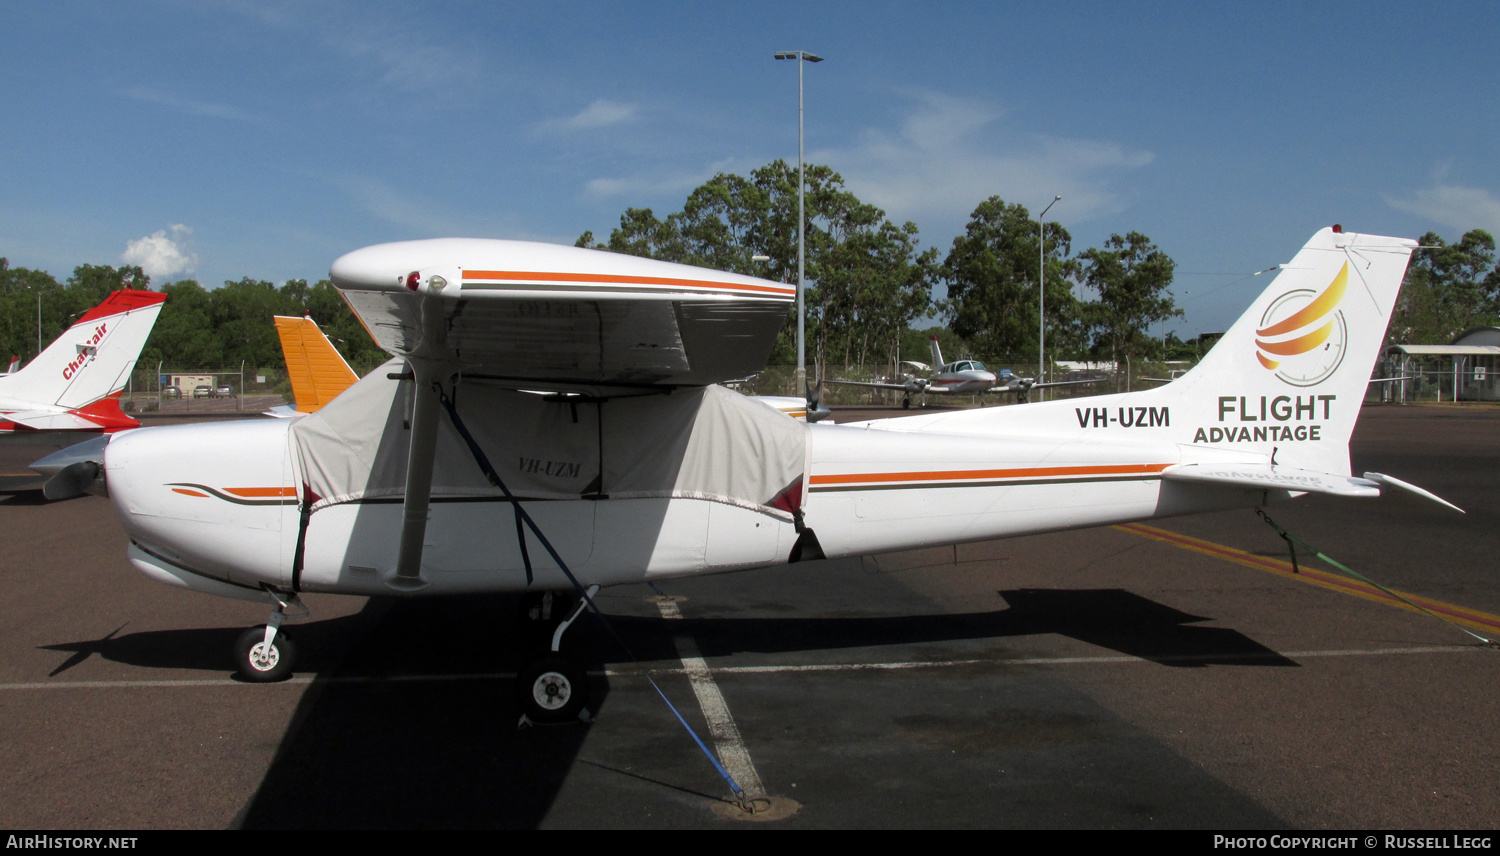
{"x":1171,"y":676}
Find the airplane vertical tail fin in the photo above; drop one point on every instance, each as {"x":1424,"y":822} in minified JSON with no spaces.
{"x":15,"y":366}
{"x":93,"y":358}
{"x":317,"y":370}
{"x":937,"y":355}
{"x":1290,"y":375}
{"x":1284,"y":385}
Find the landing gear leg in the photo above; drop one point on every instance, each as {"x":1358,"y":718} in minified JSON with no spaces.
{"x":264,"y":654}
{"x":555,"y":688}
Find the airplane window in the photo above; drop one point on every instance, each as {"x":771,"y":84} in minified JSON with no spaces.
{"x":978,"y":366}
{"x":961,"y":367}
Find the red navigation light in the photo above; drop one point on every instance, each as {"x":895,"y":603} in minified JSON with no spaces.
{"x":412,"y":279}
{"x":1337,"y":229}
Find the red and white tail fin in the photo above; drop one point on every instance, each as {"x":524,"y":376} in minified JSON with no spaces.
{"x":92,"y":360}
{"x":15,"y":366}
{"x":937,"y":355}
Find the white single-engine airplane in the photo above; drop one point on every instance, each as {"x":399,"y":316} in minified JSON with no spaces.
{"x":73,"y":386}
{"x":434,"y":475}
{"x":962,"y":376}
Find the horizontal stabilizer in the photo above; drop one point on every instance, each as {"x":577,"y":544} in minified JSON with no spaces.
{"x":1267,"y":477}
{"x":51,"y":420}
{"x":1383,"y":480}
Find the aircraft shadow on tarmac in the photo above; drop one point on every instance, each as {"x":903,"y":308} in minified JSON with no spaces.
{"x":447,"y":753}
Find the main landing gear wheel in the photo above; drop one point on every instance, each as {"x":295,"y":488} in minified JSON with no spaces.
{"x":906,"y":403}
{"x":552,"y":689}
{"x":261,"y":663}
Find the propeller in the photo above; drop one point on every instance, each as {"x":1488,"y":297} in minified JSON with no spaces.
{"x":815,"y":409}
{"x":73,"y":471}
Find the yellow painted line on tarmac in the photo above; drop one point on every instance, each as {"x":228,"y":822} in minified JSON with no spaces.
{"x":1471,"y":618}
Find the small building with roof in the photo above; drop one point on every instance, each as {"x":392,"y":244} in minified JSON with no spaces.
{"x":1464,"y":370}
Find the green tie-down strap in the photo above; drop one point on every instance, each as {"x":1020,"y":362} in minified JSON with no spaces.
{"x":1293,"y":541}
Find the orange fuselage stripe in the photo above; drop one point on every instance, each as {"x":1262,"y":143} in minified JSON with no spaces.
{"x":967,"y":475}
{"x":257,"y":492}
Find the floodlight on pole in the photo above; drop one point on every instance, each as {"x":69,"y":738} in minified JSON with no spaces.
{"x":800,"y":56}
{"x":1041,"y":294}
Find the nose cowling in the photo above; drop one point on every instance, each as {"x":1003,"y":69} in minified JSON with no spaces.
{"x":205,"y":505}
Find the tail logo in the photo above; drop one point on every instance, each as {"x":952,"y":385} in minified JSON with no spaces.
{"x":1302,"y":335}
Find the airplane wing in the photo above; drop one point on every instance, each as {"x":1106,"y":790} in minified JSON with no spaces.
{"x":1052,"y":383}
{"x":1268,"y":477}
{"x":562,"y":318}
{"x":1028,"y":384}
{"x":515,"y":315}
{"x":50,"y":420}
{"x":877,"y":385}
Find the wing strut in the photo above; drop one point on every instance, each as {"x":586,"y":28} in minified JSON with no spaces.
{"x":424,"y":431}
{"x":427,"y":371}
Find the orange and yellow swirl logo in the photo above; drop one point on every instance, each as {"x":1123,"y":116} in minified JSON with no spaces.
{"x":1302,"y":335}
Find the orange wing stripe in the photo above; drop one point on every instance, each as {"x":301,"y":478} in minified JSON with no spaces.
{"x":186,"y":492}
{"x":261,"y":492}
{"x":1321,"y":305}
{"x":962,"y":475}
{"x":543,"y":276}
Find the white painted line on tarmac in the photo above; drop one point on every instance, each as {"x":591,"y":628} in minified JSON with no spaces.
{"x":1115,"y":660}
{"x":732,"y":752}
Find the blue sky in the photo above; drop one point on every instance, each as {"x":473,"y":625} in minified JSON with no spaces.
{"x":222,"y":140}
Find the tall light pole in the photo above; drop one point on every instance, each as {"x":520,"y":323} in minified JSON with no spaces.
{"x":1041,"y":295}
{"x":800,"y":57}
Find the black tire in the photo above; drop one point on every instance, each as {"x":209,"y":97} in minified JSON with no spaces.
{"x":276,"y":667}
{"x":906,"y":404}
{"x":552,"y":689}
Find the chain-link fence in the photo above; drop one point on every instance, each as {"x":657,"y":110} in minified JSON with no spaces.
{"x":1437,"y":386}
{"x":781,"y":380}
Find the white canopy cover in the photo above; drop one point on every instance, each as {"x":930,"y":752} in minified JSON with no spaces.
{"x":684,"y":442}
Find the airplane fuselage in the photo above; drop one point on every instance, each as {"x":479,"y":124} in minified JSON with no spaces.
{"x":868,"y":491}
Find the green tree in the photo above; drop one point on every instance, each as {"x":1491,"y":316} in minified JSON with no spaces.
{"x":992,"y":274}
{"x":1449,"y":288}
{"x":19,"y":289}
{"x":866,"y":277}
{"x":1131,"y":276}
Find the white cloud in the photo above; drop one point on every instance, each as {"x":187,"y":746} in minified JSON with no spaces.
{"x":160,"y":255}
{"x":206,"y":109}
{"x":600,"y":114}
{"x":1463,"y":208}
{"x":666,"y":181}
{"x":948,"y":154}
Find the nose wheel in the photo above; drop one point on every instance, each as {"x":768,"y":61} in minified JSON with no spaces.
{"x":263,"y":662}
{"x":264,"y":654}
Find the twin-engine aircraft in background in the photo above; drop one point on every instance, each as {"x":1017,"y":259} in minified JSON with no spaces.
{"x":438,"y":474}
{"x":73,"y":386}
{"x":962,"y":376}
